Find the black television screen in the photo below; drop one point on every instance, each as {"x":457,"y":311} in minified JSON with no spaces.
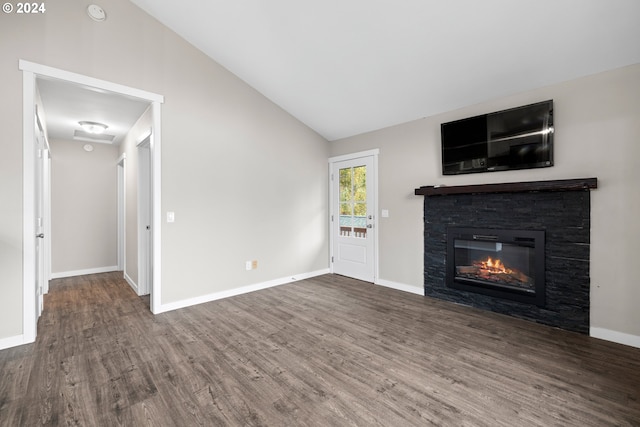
{"x":518,"y":138}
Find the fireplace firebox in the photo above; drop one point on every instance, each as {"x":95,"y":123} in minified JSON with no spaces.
{"x":500,"y":263}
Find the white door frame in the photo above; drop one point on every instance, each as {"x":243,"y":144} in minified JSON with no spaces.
{"x":30,"y":71}
{"x":332,"y":160}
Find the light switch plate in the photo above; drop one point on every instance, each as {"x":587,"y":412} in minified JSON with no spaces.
{"x":385,"y":213}
{"x":171,"y":216}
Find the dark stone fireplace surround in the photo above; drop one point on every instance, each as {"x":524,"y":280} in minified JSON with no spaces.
{"x":561,"y":208}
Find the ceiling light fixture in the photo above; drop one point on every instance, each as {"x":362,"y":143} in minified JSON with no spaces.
{"x":96,"y":13}
{"x":93,"y":127}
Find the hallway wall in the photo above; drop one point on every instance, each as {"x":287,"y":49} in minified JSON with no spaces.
{"x":83,"y":208}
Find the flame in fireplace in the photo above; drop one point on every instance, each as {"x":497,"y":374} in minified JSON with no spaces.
{"x":494,"y":271}
{"x":494,"y":267}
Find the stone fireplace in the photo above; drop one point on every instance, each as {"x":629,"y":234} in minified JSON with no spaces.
{"x":520,"y":249}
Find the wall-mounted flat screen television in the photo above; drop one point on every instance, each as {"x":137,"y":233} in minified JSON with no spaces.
{"x":518,"y":138}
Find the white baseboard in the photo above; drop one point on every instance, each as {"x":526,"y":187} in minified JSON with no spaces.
{"x":64,"y":274}
{"x":12,"y":342}
{"x":238,"y":291}
{"x":401,"y":287}
{"x":615,"y":336}
{"x":131,"y":283}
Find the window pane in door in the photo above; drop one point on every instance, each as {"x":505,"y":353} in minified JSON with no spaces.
{"x":360,"y":184}
{"x":346,"y":225}
{"x":346,"y":188}
{"x":353,"y":202}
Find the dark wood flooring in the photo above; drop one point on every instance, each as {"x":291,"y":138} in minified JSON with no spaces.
{"x":328,"y":351}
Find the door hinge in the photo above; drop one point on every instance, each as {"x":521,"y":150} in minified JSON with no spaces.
{"x":331,"y":218}
{"x":332,"y":259}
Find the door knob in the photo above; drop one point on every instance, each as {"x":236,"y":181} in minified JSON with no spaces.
{"x":40,"y":236}
{"x":369,"y":226}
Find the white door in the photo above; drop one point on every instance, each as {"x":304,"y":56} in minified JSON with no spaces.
{"x":122,"y":209}
{"x":41,"y":170}
{"x":145,"y":241}
{"x":353,"y":218}
{"x":46,"y":186}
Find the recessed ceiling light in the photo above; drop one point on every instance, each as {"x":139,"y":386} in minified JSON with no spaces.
{"x":88,"y":148}
{"x":93,"y":127}
{"x":96,"y":13}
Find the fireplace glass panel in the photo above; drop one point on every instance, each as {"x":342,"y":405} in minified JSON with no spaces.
{"x":496,"y":264}
{"x":500,"y":263}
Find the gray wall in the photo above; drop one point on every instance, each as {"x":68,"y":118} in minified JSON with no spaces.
{"x":597,"y":134}
{"x":83,"y":207}
{"x":245,"y":179}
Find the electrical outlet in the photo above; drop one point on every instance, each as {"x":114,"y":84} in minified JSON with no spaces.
{"x":254,"y":264}
{"x":247,"y":265}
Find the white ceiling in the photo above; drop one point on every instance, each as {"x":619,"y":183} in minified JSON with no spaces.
{"x":65,"y":104}
{"x":345,"y":67}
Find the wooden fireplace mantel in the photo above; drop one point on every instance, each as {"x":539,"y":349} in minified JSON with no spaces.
{"x":510,"y":187}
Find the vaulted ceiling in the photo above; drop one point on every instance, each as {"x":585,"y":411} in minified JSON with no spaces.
{"x":352,"y":66}
{"x":345,"y":67}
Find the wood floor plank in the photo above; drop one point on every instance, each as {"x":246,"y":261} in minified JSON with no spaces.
{"x":323,"y":351}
